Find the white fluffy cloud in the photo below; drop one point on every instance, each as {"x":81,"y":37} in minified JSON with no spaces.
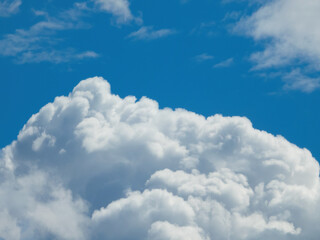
{"x":289,"y":30}
{"x":92,"y":165}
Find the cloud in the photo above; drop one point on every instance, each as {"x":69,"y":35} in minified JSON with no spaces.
{"x":38,"y":44}
{"x":289,"y":32}
{"x":203,"y":57}
{"x":205,"y":28}
{"x":224,"y":64}
{"x":295,"y":80}
{"x":138,"y":211}
{"x":35,"y":206}
{"x":147,"y":33}
{"x":291,"y":28}
{"x":233,"y":15}
{"x":92,"y":165}
{"x":165,"y":230}
{"x":119,"y":8}
{"x":55,"y":56}
{"x":9,"y":7}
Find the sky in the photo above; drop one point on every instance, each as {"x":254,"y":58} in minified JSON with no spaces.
{"x":208,"y":99}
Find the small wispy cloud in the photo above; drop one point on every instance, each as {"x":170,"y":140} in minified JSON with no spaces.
{"x":87,"y":54}
{"x":225,"y":63}
{"x":38,"y":43}
{"x":40,"y":13}
{"x":296,"y":80}
{"x":204,"y":28}
{"x":55,"y":56}
{"x":233,"y":15}
{"x":9,"y":7}
{"x":203,"y":57}
{"x":148,"y":33}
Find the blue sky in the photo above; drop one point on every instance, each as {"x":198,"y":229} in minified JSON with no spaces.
{"x":210,"y":129}
{"x":200,"y":60}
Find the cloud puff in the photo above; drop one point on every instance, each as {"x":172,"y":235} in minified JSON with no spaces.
{"x":9,"y":7}
{"x":92,"y":165}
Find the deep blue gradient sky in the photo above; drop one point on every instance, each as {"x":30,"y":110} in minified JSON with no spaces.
{"x":165,"y":69}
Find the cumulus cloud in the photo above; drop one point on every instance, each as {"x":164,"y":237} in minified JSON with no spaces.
{"x":9,"y":7}
{"x":147,"y":33}
{"x":92,"y":165}
{"x":289,"y":31}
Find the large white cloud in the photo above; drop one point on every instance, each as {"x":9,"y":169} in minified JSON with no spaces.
{"x":92,"y":165}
